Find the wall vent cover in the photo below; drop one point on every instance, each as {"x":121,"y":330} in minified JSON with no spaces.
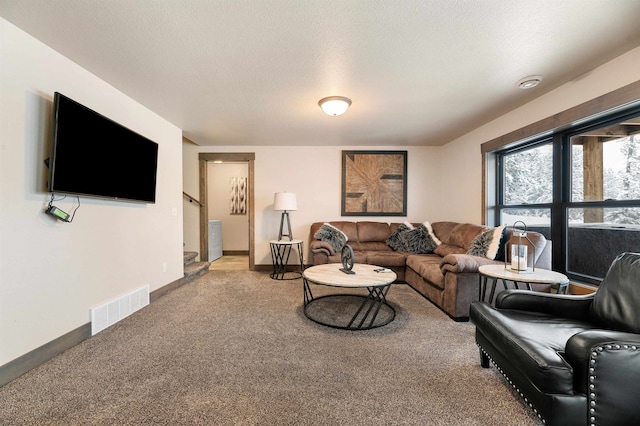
{"x":111,"y":312}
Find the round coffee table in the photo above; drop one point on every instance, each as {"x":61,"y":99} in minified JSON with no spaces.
{"x":505,"y":273}
{"x":349,"y":311}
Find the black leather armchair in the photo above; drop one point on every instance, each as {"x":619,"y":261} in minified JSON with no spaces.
{"x":574,"y":359}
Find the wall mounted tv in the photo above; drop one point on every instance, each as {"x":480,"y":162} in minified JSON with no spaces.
{"x":93,"y":155}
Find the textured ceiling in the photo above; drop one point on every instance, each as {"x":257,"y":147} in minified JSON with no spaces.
{"x":233,"y":72}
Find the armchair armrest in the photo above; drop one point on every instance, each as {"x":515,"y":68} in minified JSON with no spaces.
{"x":463,"y":263}
{"x":605,"y":364}
{"x":318,"y":246}
{"x":564,"y":306}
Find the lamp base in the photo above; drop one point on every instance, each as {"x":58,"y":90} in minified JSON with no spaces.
{"x":285,"y":214}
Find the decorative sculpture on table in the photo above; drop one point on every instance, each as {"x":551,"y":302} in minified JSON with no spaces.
{"x":347,"y":260}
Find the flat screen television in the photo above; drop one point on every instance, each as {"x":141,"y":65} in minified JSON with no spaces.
{"x":95,"y":156}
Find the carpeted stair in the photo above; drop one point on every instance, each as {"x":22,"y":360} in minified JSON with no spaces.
{"x":193,"y":269}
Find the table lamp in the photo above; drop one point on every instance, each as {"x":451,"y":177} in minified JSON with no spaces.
{"x":285,"y":201}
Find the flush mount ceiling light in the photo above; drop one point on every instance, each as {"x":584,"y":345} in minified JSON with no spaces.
{"x":529,"y":82}
{"x":334,"y":105}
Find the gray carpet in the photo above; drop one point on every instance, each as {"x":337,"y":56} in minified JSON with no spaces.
{"x":234,"y":348}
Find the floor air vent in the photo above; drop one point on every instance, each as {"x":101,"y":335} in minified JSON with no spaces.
{"x":111,"y":312}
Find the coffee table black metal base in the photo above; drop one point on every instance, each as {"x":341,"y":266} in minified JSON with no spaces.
{"x":350,"y":311}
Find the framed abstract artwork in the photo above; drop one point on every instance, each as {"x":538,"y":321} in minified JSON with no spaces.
{"x":374,"y":183}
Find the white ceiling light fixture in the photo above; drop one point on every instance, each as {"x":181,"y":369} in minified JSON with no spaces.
{"x":334,"y":105}
{"x":529,"y":82}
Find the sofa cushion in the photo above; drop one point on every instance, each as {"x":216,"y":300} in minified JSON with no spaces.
{"x":373,"y":231}
{"x":446,"y":249}
{"x":536,"y":340}
{"x":372,"y":245}
{"x":463,"y":234}
{"x":331,"y":235}
{"x":428,"y":267}
{"x":386,"y":258}
{"x":443,"y":230}
{"x":359,"y":257}
{"x":615,"y":304}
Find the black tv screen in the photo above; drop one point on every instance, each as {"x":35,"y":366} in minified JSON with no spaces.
{"x":93,"y":155}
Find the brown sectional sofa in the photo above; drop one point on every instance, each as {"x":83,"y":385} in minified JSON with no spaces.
{"x":448,"y":277}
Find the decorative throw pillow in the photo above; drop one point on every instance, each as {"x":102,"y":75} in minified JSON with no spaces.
{"x":332,"y":235}
{"x":420,"y":240}
{"x":432,"y":235}
{"x":395,"y":240}
{"x":487,"y":243}
{"x":500,"y":255}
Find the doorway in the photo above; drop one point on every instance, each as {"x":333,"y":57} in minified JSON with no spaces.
{"x":204,"y":159}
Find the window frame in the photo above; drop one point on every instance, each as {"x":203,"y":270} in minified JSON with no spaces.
{"x":558,"y":129}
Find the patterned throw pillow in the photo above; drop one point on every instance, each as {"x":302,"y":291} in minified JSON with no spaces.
{"x":488,"y":243}
{"x":421,"y":240}
{"x":395,"y":240}
{"x":332,"y":235}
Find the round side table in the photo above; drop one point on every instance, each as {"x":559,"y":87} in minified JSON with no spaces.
{"x":280,"y":253}
{"x":505,"y":273}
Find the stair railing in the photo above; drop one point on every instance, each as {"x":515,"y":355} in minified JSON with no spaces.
{"x":191,"y":199}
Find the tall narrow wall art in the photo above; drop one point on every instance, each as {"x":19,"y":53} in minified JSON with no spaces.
{"x":238,"y":196}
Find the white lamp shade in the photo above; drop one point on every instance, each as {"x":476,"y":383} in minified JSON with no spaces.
{"x":335,"y":105}
{"x":285,"y":201}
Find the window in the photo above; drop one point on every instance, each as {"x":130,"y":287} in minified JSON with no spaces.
{"x":529,"y":179}
{"x":580,"y":187}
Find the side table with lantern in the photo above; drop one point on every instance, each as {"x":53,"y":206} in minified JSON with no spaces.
{"x":520,"y":267}
{"x":505,"y":273}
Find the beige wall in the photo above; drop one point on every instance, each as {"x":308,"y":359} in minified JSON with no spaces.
{"x":313,"y":173}
{"x":53,"y":273}
{"x":235,"y":228}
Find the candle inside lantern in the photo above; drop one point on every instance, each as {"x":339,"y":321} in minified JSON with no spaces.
{"x":519,"y":258}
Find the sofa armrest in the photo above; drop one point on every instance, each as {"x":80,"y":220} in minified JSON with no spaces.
{"x":564,"y":306}
{"x":459,"y":263}
{"x":318,"y":246}
{"x":603,"y":362}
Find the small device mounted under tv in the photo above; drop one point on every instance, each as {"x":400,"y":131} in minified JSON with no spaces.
{"x":95,"y":156}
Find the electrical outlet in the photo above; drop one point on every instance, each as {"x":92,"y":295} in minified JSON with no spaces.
{"x":164,"y":266}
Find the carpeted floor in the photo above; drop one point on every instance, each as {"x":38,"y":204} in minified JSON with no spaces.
{"x":234,"y":348}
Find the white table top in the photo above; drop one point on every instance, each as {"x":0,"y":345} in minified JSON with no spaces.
{"x":365,"y":275}
{"x":539,"y":276}
{"x":285,"y":241}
